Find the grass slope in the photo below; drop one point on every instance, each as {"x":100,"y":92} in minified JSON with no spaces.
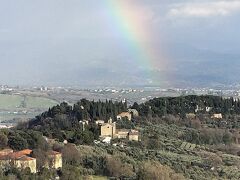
{"x":13,"y":103}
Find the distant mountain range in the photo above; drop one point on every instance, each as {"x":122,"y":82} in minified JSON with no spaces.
{"x":188,"y":66}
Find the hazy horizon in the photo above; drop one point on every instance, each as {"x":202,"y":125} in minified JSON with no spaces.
{"x":121,"y":43}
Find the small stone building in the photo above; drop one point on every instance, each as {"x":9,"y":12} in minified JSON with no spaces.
{"x":133,"y":135}
{"x":55,"y":160}
{"x":108,"y":129}
{"x":217,"y":116}
{"x":26,"y":162}
{"x":99,"y":122}
{"x":22,"y":160}
{"x":122,"y":133}
{"x":19,"y":159}
{"x":127,"y":115}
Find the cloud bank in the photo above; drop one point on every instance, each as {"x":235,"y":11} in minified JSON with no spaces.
{"x":204,"y":9}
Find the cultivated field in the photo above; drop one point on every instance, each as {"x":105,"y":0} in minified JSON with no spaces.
{"x":22,"y":106}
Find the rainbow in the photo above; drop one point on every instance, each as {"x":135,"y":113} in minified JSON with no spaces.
{"x":127,"y":20}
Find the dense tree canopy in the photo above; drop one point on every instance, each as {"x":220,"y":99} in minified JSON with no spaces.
{"x":63,"y":121}
{"x":188,"y":104}
{"x":171,"y":144}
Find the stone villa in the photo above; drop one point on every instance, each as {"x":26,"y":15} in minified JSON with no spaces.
{"x":109,"y":130}
{"x":19,"y":159}
{"x":22,"y":160}
{"x":122,"y":115}
{"x":133,"y":135}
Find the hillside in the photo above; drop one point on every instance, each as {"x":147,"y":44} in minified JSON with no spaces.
{"x":171,"y":144}
{"x":188,"y":104}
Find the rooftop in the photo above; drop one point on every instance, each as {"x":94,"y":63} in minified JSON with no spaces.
{"x":9,"y":154}
{"x":26,"y":158}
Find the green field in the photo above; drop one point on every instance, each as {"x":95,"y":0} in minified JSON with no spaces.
{"x":14,"y":101}
{"x":39,"y":102}
{"x":9,"y":101}
{"x":10,"y":104}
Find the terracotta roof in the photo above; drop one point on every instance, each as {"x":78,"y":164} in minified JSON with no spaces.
{"x":5,"y":152}
{"x":19,"y":154}
{"x":16,"y":155}
{"x":25,"y":151}
{"x":26,"y":158}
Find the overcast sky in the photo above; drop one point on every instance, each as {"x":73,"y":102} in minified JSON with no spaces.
{"x":73,"y":42}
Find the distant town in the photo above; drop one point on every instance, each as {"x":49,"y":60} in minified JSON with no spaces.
{"x":19,"y":103}
{"x":139,"y":94}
